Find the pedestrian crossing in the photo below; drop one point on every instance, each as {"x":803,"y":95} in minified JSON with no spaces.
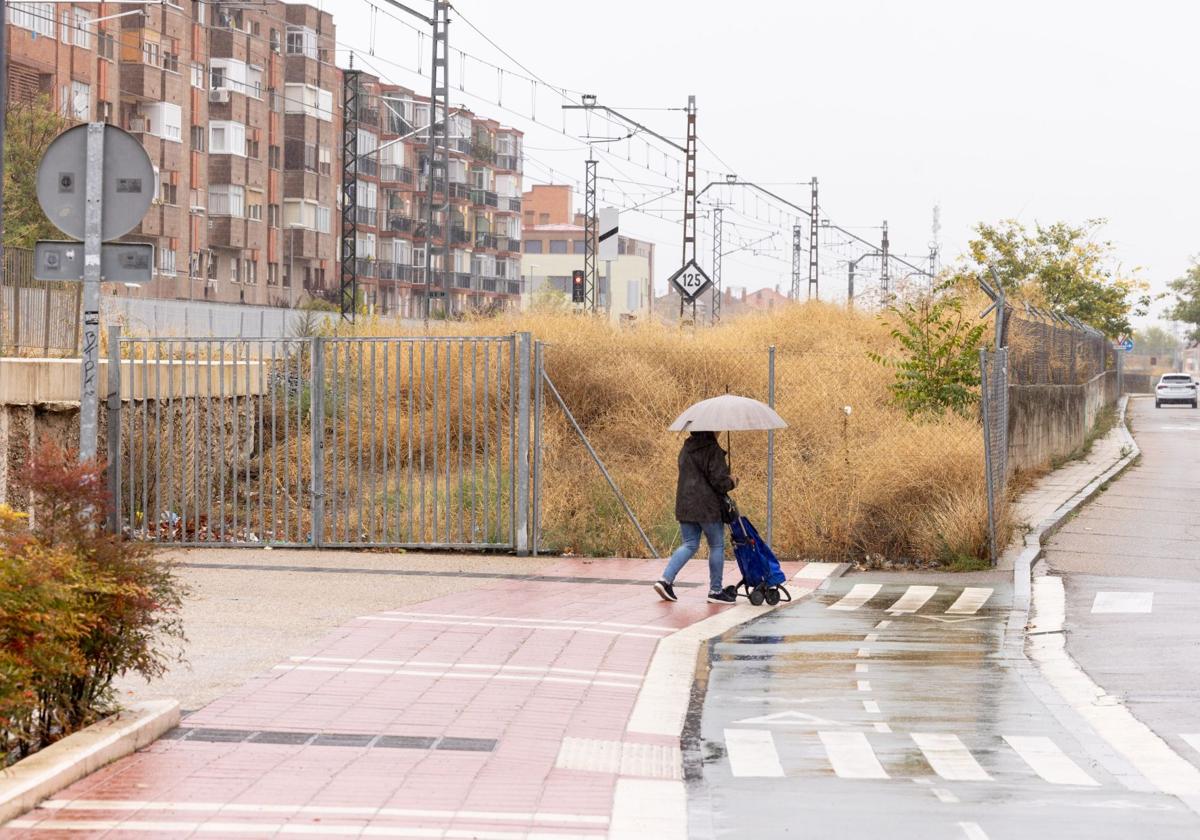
{"x":912,"y":600}
{"x":754,"y":753}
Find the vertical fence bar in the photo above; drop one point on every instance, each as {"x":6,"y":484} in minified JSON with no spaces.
{"x":449,"y":439}
{"x":196,"y":444}
{"x":434,"y":426}
{"x":474,"y":444}
{"x":114,"y":429}
{"x":771,"y":448}
{"x":412,"y":390}
{"x":511,"y":507}
{"x":158,"y":453}
{"x":521,"y":508}
{"x":487,"y":414}
{"x":317,"y":425}
{"x":538,"y":366}
{"x":462,"y":346}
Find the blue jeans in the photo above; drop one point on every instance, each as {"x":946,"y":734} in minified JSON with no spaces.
{"x":714,"y":532}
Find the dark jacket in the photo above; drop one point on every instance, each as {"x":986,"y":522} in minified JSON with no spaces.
{"x":703,"y":479}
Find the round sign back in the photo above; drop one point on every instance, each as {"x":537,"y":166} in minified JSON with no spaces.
{"x":128,"y":182}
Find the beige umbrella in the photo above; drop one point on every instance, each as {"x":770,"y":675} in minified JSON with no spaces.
{"x":728,"y":413}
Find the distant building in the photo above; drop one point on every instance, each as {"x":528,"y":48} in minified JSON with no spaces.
{"x":554,"y":247}
{"x":240,"y":108}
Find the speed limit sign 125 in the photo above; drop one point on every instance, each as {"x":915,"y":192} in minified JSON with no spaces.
{"x":690,"y":281}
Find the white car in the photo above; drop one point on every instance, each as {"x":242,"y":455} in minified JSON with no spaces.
{"x":1175,"y":388}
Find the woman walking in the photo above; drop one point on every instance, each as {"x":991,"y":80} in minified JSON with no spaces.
{"x":703,"y":480}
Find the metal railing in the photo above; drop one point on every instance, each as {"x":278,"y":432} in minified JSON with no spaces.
{"x":416,"y":442}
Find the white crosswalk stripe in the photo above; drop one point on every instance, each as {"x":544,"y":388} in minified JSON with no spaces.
{"x":851,"y":755}
{"x":1123,"y":602}
{"x":1045,"y":758}
{"x":1193,"y":740}
{"x":913,"y":599}
{"x":752,"y":753}
{"x":969,"y":602}
{"x":858,"y":595}
{"x":949,"y":757}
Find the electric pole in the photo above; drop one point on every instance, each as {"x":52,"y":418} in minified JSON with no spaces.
{"x":689,"y":197}
{"x":884,"y":280}
{"x":796,"y":250}
{"x":348,"y":276}
{"x":718,"y":221}
{"x":591,"y":293}
{"x":813,"y":290}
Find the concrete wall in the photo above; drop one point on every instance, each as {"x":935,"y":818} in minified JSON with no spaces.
{"x":1047,"y":422}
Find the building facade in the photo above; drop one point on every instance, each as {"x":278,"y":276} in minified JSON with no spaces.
{"x":554,"y":247}
{"x":240,"y":108}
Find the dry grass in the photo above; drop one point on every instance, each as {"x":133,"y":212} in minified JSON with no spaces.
{"x":846,"y":487}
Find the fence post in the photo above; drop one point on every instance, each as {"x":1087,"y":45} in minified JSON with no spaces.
{"x":538,"y":367}
{"x":316,"y":425}
{"x":521,"y":514}
{"x":989,"y":475}
{"x":114,"y":429}
{"x":771,"y":449}
{"x":46,"y":319}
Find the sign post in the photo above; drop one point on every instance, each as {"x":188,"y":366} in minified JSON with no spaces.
{"x":95,"y":183}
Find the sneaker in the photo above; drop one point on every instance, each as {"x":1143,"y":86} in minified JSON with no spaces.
{"x":722,"y":597}
{"x":665,"y":590}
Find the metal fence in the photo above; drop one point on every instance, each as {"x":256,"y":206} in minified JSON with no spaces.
{"x":390,"y":442}
{"x":1045,"y":349}
{"x":37,"y":317}
{"x":993,"y":386}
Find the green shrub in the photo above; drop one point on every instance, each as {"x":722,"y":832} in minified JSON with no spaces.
{"x":79,"y":607}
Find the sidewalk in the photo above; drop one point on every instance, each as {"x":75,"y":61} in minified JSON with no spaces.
{"x":531,"y":708}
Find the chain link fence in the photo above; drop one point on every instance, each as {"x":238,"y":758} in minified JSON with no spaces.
{"x":1048,"y":350}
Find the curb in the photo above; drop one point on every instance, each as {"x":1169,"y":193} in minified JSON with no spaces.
{"x":1035,"y":540}
{"x":64,"y":762}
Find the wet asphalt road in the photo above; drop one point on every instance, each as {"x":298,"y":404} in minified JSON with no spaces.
{"x":890,"y":706}
{"x":1131,"y":567}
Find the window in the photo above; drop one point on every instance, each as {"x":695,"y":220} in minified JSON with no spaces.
{"x":197,"y":200}
{"x":533,"y":246}
{"x":106,"y":45}
{"x":252,"y":150}
{"x":150,"y":53}
{"x":558,"y":246}
{"x":273,"y":274}
{"x":170,"y":59}
{"x":226,"y":138}
{"x":254,"y":82}
{"x":324,"y":219}
{"x":308,"y":99}
{"x":77,"y":100}
{"x":577,"y":246}
{"x":301,"y":41}
{"x":104,"y":111}
{"x":325,"y":159}
{"x":164,"y":120}
{"x":198,"y":144}
{"x":166,"y":260}
{"x":198,"y":75}
{"x":273,"y":215}
{"x":82,"y":31}
{"x":226,"y":200}
{"x":254,"y":205}
{"x":251,"y":273}
{"x":167,"y":191}
{"x":38,"y":18}
{"x":543,"y":218}
{"x":275,"y":40}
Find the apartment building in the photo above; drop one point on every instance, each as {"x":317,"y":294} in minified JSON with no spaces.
{"x":240,"y":106}
{"x":554,"y":246}
{"x":476,"y":229}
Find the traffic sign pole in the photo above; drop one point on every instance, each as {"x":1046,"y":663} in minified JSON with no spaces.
{"x":93,"y":226}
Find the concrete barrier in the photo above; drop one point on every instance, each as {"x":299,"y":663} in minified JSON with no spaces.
{"x":1047,"y":422}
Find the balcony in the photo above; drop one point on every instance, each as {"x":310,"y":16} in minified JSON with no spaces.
{"x":422,"y":231}
{"x":484,"y":152}
{"x":459,"y":235}
{"x":396,"y":271}
{"x":366,"y":216}
{"x":365,"y":268}
{"x":508,"y":244}
{"x":368,"y":167}
{"x":141,"y":80}
{"x":510,"y":162}
{"x":462,"y":279}
{"x":461,"y":144}
{"x":398,"y":223}
{"x":461,"y":191}
{"x":485,"y":240}
{"x":485,"y":198}
{"x":513,"y":204}
{"x":392,"y":172}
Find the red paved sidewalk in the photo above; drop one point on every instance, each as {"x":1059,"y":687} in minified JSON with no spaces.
{"x":465,"y":716}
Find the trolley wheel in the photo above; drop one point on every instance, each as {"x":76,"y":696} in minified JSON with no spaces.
{"x":757,"y":595}
{"x":772,"y":596}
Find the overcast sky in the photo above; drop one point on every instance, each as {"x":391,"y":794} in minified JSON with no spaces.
{"x":1038,"y":111}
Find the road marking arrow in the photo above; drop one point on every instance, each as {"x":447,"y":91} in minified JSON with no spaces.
{"x":791,"y":718}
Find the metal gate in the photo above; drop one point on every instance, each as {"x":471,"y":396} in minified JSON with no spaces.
{"x":412,"y":442}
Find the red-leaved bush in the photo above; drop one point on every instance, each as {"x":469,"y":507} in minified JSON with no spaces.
{"x":79,"y":606}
